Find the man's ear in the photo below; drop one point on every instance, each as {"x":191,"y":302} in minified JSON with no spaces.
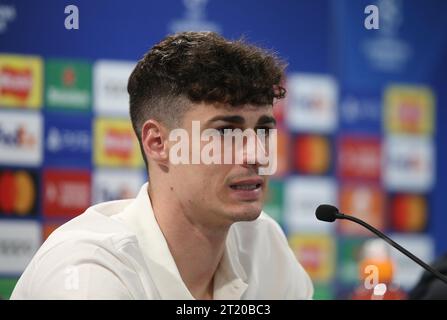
{"x":154,"y":137}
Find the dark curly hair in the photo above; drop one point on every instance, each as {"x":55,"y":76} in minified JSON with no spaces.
{"x":201,"y":67}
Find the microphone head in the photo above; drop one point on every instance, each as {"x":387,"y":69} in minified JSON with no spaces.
{"x":326,"y":212}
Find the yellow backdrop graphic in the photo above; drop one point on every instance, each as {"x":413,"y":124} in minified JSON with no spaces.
{"x":316,"y":252}
{"x":409,"y":109}
{"x":116,"y":144}
{"x":20,"y":81}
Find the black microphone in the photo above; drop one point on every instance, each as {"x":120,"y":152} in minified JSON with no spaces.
{"x":328,"y":213}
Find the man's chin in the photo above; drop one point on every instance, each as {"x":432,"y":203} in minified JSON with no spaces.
{"x":246,"y":212}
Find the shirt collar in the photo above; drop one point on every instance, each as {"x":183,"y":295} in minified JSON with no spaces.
{"x":229,"y":281}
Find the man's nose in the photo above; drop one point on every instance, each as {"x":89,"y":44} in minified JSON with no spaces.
{"x":252,"y":147}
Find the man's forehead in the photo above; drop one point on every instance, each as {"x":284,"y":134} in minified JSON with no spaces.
{"x":217,"y":113}
{"x":246,"y":108}
{"x":211,"y":110}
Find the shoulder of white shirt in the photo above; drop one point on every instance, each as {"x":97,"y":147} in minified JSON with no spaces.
{"x":96,"y":224}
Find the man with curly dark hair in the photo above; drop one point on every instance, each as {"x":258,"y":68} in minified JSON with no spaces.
{"x":195,"y":230}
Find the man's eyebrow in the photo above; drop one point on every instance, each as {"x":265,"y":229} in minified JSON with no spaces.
{"x":232,"y":119}
{"x":266,"y":119}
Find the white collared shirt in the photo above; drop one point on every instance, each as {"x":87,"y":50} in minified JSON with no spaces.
{"x":116,"y":250}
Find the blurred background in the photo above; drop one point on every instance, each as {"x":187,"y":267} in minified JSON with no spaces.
{"x":363,"y":126}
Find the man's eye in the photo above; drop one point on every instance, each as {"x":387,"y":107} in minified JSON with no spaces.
{"x":225,"y":130}
{"x":263,"y":131}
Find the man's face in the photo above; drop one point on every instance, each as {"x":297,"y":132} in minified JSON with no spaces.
{"x":220,"y":194}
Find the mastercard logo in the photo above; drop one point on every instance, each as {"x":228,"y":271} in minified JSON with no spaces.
{"x":311,"y":154}
{"x":409,"y":213}
{"x":17,"y":192}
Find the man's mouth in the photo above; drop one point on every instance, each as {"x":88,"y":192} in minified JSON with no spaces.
{"x":246,"y":186}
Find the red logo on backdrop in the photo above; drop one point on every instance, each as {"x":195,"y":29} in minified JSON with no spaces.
{"x":16,"y":82}
{"x":68,"y":77}
{"x":67,"y":193}
{"x":359,"y":158}
{"x":410,"y":114}
{"x":364,"y":200}
{"x":18,"y":192}
{"x":312,"y":154}
{"x":409,"y":213}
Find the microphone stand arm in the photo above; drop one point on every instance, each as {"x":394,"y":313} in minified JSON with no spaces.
{"x":435,"y":272}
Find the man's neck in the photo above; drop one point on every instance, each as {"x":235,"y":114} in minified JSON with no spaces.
{"x":197,"y":249}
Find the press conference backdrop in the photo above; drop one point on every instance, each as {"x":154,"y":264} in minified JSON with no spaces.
{"x":363,"y":126}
